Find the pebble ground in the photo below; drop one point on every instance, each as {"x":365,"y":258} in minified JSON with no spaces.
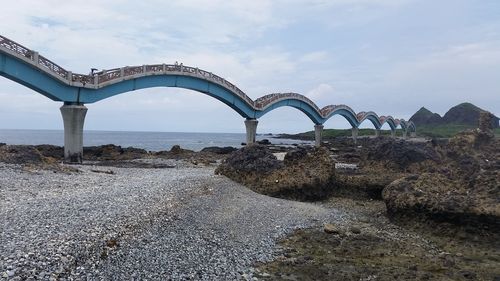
{"x":108,"y":223}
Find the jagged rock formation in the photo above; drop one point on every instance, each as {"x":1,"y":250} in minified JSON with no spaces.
{"x":424,"y":117}
{"x":462,"y":188}
{"x":464,"y":114}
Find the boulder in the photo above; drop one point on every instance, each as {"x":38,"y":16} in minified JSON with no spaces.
{"x":264,"y":142}
{"x":400,"y":154}
{"x":250,"y":159}
{"x":219,"y":150}
{"x":309,"y":178}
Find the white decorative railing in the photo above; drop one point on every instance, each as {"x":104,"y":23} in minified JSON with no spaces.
{"x":15,"y":47}
{"x":267,"y":100}
{"x":327,"y":110}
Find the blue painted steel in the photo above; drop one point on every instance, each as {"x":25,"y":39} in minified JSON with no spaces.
{"x":347,"y":114}
{"x":25,"y":74}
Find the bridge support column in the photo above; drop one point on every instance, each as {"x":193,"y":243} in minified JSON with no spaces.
{"x":405,"y":134}
{"x":377,"y":133}
{"x":393,"y":133}
{"x":73,"y":119}
{"x":251,"y":127}
{"x":318,"y":134}
{"x":413,"y":134}
{"x":355,"y":134}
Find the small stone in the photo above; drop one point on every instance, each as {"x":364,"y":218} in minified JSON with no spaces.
{"x":11,"y":273}
{"x":331,"y":229}
{"x":355,"y":230}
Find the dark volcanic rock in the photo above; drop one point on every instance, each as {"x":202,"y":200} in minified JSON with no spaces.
{"x":250,"y":159}
{"x":296,"y":154}
{"x":464,"y":188}
{"x":20,"y":154}
{"x":307,"y":178}
{"x":112,"y":152}
{"x":219,"y":150}
{"x":424,"y":117}
{"x":399,"y":154}
{"x":54,"y":151}
{"x":264,"y":142}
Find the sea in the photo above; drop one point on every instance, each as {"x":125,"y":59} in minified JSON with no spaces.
{"x":151,"y":141}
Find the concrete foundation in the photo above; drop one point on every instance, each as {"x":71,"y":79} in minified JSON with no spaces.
{"x":318,"y":134}
{"x":251,"y":127}
{"x":355,"y":135}
{"x":73,"y":118}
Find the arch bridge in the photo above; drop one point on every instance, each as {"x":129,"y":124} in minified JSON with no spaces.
{"x":29,"y":68}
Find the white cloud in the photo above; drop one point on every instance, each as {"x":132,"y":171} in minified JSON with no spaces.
{"x":321,"y":93}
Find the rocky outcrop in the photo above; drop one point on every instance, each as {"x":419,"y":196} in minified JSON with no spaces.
{"x":463,"y":114}
{"x":20,"y":154}
{"x":425,"y":117}
{"x":304,"y":176}
{"x":113,"y":152}
{"x":398,"y":155}
{"x":378,"y":162}
{"x":219,"y":150}
{"x":464,"y":188}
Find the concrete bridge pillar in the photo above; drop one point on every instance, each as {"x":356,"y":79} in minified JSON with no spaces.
{"x":377,"y":133}
{"x":251,"y":128}
{"x":318,"y":134}
{"x":73,"y":119}
{"x":355,"y":134}
{"x":393,"y":133}
{"x":413,"y":134}
{"x":405,"y":134}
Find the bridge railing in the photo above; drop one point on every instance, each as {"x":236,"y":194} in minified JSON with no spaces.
{"x":120,"y":73}
{"x":267,"y":100}
{"x":327,"y":110}
{"x":52,"y":67}
{"x":15,"y":47}
{"x":117,"y":73}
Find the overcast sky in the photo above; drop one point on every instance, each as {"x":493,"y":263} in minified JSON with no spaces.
{"x":389,"y":56}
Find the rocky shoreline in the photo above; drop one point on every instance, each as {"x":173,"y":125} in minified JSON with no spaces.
{"x":384,"y":209}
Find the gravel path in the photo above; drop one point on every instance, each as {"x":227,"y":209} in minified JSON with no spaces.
{"x":137,"y":224}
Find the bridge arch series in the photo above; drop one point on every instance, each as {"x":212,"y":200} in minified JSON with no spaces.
{"x":42,"y":75}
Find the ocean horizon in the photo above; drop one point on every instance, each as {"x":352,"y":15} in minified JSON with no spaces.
{"x":152,"y":141}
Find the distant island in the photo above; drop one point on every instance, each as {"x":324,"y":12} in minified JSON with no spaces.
{"x":460,"y":117}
